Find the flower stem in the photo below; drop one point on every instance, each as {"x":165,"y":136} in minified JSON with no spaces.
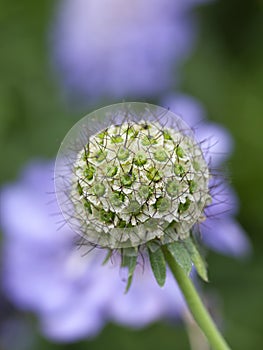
{"x":195,"y":304}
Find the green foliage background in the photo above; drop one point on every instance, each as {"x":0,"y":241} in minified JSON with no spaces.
{"x":225,"y":73}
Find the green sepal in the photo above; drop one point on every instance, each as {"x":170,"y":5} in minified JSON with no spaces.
{"x":158,"y":263}
{"x":180,"y":255}
{"x":129,"y":259}
{"x":185,"y":252}
{"x":196,"y":257}
{"x":108,"y":256}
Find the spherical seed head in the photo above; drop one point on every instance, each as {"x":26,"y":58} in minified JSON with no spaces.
{"x":140,"y":177}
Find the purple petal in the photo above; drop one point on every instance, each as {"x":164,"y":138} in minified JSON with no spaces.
{"x":224,"y":199}
{"x":187,"y":107}
{"x":29,"y":207}
{"x":226,"y":236}
{"x":71,"y":324}
{"x":216,"y":143}
{"x":146,"y":302}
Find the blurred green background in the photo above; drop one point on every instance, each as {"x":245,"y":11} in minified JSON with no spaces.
{"x":225,"y":72}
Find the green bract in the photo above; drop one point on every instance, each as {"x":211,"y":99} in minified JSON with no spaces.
{"x":135,"y":180}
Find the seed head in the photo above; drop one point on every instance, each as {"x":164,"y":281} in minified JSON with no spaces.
{"x":137,"y":178}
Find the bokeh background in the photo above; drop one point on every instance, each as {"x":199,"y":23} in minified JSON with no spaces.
{"x":225,"y":72}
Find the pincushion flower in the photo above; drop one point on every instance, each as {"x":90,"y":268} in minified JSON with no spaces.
{"x":44,"y":274}
{"x":139,"y":181}
{"x":133,"y":181}
{"x":116,"y":49}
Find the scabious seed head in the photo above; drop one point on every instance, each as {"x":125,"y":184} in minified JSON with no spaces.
{"x":136,"y":179}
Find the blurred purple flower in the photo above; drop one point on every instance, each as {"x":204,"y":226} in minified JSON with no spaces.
{"x":73,"y":294}
{"x":44,"y":272}
{"x":118,"y":49}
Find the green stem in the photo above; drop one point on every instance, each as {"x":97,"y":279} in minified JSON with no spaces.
{"x":195,"y":304}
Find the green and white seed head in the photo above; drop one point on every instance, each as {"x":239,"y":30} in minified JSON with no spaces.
{"x":135,"y":179}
